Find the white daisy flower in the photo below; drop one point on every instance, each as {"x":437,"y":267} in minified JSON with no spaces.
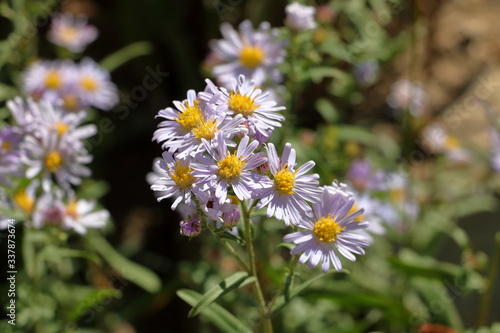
{"x":49,"y":154}
{"x":291,"y":188}
{"x":300,"y":17}
{"x":235,"y":169}
{"x":331,"y":229}
{"x":26,"y":198}
{"x":94,"y":87}
{"x":255,"y":54}
{"x":253,"y":104}
{"x":177,"y":179}
{"x":72,"y":32}
{"x":81,"y":215}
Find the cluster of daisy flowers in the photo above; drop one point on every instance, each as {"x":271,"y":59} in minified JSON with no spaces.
{"x":217,"y":154}
{"x":42,"y":156}
{"x":70,"y":85}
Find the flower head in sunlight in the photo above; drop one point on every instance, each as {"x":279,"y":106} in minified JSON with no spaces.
{"x":176,"y":179}
{"x":81,"y":215}
{"x":300,"y":17}
{"x":47,"y":80}
{"x":253,"y":53}
{"x":291,"y":189}
{"x":331,"y":229}
{"x":260,"y":112}
{"x":235,"y":169}
{"x":72,"y":32}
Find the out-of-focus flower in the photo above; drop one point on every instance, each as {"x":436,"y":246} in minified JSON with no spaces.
{"x":255,"y":54}
{"x":25,"y":198}
{"x":234,"y":169}
{"x":48,"y":154}
{"x":408,"y":95}
{"x":81,"y":215}
{"x":362,"y":176}
{"x":73,"y":86}
{"x":291,"y":189}
{"x":10,"y":154}
{"x":437,"y":139}
{"x":190,"y":227}
{"x":332,"y":228}
{"x":300,"y":17}
{"x":72,"y":32}
{"x":495,"y":149}
{"x":366,"y":73}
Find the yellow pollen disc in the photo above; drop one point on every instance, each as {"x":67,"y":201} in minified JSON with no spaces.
{"x":71,"y":209}
{"x":192,"y":116}
{"x":53,"y":80}
{"x":61,"y":128}
{"x":353,"y":210}
{"x":6,"y":145}
{"x":284,"y":180}
{"x":70,"y":102}
{"x":326,"y":229}
{"x":24,"y":201}
{"x":206,"y":130}
{"x":230,"y":167}
{"x":68,"y":34}
{"x":53,"y":161}
{"x":88,"y":84}
{"x":451,"y":142}
{"x":181,"y":174}
{"x":241,"y":104}
{"x":251,"y":56}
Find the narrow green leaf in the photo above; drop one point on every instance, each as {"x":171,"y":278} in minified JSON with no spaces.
{"x":54,"y":253}
{"x":215,"y":313}
{"x":229,"y":236}
{"x":131,"y":271}
{"x":233,"y":282}
{"x":92,"y":299}
{"x":327,"y":110}
{"x":129,"y":52}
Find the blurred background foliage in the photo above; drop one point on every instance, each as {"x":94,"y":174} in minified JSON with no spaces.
{"x":434,"y":272}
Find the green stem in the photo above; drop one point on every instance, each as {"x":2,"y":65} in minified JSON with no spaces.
{"x":266,"y":322}
{"x":484,"y":308}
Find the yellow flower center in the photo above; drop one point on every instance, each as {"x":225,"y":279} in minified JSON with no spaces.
{"x":230,"y":167}
{"x":71,"y":209}
{"x":251,"y":56}
{"x":326,"y":229}
{"x":68,"y":34}
{"x":192,"y":116}
{"x":284,"y":180}
{"x":353,"y":210}
{"x":241,"y":104}
{"x":451,"y":142}
{"x":53,"y":80}
{"x":206,"y":130}
{"x":6,"y":145}
{"x":60,"y":128}
{"x":234,"y":199}
{"x":24,"y":201}
{"x":88,"y":84}
{"x":182,"y":175}
{"x":53,"y":160}
{"x":70,"y":102}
